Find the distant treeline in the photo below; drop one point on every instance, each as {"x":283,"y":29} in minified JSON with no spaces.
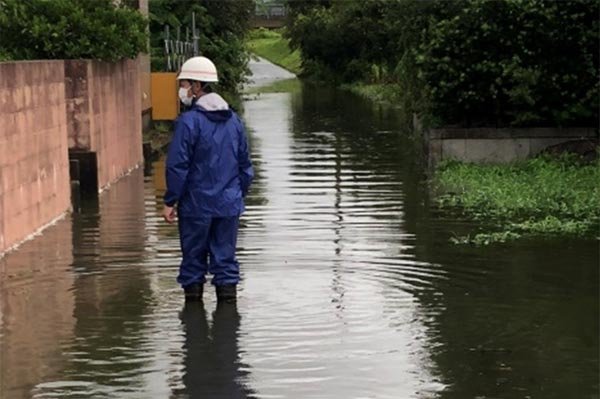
{"x":465,"y":62}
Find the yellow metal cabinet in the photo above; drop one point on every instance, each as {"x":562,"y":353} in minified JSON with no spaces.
{"x":165,"y":103}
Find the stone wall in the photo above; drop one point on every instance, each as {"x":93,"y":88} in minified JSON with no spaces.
{"x":34,"y":166}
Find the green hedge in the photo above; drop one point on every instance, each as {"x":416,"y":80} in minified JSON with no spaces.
{"x":465,"y":62}
{"x":515,"y":62}
{"x":70,"y":29}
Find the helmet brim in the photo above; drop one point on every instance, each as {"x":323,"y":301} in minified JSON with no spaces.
{"x":198,"y":77}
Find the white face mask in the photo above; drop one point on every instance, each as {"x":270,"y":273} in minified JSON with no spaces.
{"x":183,"y":96}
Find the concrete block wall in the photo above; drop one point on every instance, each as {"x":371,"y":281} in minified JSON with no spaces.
{"x":104,"y":108}
{"x":116,"y":134}
{"x":51,"y":108}
{"x":34,"y":168}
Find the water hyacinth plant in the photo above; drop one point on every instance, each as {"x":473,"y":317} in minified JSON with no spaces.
{"x":542,"y":196}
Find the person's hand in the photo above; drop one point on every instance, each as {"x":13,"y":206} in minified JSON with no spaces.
{"x":169,"y":214}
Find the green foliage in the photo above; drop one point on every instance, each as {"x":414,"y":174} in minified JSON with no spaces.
{"x":263,"y":33}
{"x":275,"y":48}
{"x":554,"y":225}
{"x":70,"y":29}
{"x":468,"y":62}
{"x":542,"y":195}
{"x":328,"y":46}
{"x":515,"y":62}
{"x":486,"y":238}
{"x":222,"y":24}
{"x":377,"y":92}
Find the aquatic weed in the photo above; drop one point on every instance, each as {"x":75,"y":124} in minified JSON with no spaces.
{"x":539,"y":196}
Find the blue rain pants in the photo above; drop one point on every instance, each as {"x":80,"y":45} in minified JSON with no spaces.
{"x":208,"y":245}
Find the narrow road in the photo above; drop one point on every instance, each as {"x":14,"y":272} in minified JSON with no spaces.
{"x":265,"y":72}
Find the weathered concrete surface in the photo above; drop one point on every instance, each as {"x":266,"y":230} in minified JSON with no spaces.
{"x":105,"y":115}
{"x":48,"y":108}
{"x":117,"y":125}
{"x":34,"y":168}
{"x":144,"y":67}
{"x":146,"y":88}
{"x":488,"y":145}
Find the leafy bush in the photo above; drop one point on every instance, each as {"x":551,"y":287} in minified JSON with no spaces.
{"x":334,"y":41}
{"x":515,"y":62}
{"x":466,"y":62}
{"x":541,"y":195}
{"x":70,"y":29}
{"x":263,"y":33}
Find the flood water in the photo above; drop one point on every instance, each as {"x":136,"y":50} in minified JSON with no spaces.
{"x":350,"y":287}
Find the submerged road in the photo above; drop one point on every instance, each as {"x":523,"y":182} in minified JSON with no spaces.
{"x":350,"y":288}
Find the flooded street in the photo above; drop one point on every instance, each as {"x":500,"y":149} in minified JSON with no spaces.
{"x":350,"y":288}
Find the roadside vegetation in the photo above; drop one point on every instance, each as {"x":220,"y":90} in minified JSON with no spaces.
{"x":541,"y":196}
{"x":463,"y":63}
{"x":272,"y":46}
{"x":70,"y":29}
{"x":474,"y":63}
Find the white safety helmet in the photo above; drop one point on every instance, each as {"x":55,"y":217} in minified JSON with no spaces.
{"x":199,"y":68}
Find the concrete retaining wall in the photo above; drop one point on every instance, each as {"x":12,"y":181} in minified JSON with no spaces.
{"x":34,"y":166}
{"x":104,"y":108}
{"x":50,"y":110}
{"x":489,"y":145}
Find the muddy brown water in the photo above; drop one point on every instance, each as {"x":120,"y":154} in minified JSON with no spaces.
{"x":350,"y":287}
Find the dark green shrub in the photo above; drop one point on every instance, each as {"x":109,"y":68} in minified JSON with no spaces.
{"x":515,"y":62}
{"x":70,"y":29}
{"x":465,"y":62}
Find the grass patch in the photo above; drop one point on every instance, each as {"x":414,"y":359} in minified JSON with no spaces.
{"x":384,"y":93}
{"x":541,"y":196}
{"x":275,"y":48}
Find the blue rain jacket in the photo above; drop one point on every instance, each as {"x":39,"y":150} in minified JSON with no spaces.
{"x":208,"y":167}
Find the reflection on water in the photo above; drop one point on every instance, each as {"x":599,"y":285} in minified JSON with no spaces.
{"x":322,"y":252}
{"x":349,"y":286}
{"x":36,"y":313}
{"x":211,"y":362}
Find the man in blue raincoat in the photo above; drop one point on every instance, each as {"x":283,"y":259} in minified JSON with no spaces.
{"x":208,"y":174}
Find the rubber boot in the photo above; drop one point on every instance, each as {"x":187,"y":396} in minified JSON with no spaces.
{"x":226,"y":293}
{"x":193,"y":292}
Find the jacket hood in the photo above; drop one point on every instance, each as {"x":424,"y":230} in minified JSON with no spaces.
{"x":214,"y":107}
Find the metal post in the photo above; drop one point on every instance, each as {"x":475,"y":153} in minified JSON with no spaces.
{"x":178,"y":48}
{"x":167,"y":52}
{"x":194,"y":34}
